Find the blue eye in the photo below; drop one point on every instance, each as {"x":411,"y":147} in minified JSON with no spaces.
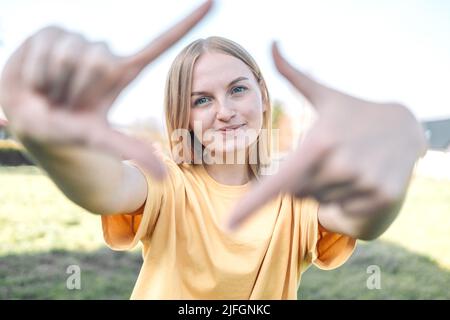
{"x":201,"y":101}
{"x":239,"y":89}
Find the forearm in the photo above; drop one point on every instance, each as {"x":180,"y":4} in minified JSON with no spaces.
{"x":89,"y":178}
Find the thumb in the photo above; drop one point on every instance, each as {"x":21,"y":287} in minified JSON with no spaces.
{"x":311,"y":89}
{"x":293,"y":177}
{"x":136,"y":63}
{"x":127,"y":147}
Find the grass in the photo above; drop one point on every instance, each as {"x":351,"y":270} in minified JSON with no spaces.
{"x":403,"y":275}
{"x":43,"y":233}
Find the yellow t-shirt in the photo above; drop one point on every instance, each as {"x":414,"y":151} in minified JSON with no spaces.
{"x":188,"y":255}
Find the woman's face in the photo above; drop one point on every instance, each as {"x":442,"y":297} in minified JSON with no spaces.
{"x":226,"y":103}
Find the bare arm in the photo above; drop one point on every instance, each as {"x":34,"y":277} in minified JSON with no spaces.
{"x":357,"y":160}
{"x":56,"y":91}
{"x":94,"y":180}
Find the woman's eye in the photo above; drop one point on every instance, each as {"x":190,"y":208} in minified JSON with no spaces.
{"x":201,"y":101}
{"x":239,"y":89}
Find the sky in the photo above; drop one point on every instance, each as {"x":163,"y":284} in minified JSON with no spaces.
{"x":381,"y":50}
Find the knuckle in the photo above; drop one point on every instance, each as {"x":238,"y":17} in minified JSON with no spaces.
{"x":367,"y":184}
{"x":343,"y":167}
{"x":386,"y":198}
{"x":96,"y":65}
{"x":67,"y":50}
{"x":42,"y":36}
{"x":98,"y":59}
{"x":49,"y":31}
{"x":52,"y":28}
{"x":64,"y":58}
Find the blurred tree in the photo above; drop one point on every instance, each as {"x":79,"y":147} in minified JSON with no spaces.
{"x":283,"y":124}
{"x":277,"y":113}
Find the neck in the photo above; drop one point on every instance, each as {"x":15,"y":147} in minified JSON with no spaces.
{"x":229,"y":174}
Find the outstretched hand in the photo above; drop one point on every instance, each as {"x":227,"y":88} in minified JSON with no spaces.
{"x":359,"y":155}
{"x":57,"y":88}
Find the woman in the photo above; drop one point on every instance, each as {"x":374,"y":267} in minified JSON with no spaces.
{"x":215,"y":85}
{"x":216,"y":93}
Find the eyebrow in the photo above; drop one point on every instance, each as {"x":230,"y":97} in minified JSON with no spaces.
{"x":199,"y":93}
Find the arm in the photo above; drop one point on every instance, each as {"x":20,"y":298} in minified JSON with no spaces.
{"x":358,"y":157}
{"x":56,"y":90}
{"x":96,"y":181}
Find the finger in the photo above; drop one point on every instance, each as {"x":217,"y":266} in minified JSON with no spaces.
{"x":11,"y":79}
{"x":334,"y":172}
{"x":127,"y":147}
{"x":89,"y":131}
{"x":93,"y":77}
{"x":293,"y":176}
{"x":139,"y":61}
{"x":315,"y":92}
{"x":62,"y":64}
{"x":333,"y":192}
{"x":338,"y":193}
{"x":374,"y":201}
{"x":35,"y":69}
{"x":361,"y":204}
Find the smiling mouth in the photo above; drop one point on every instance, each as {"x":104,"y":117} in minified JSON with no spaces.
{"x":231,"y":128}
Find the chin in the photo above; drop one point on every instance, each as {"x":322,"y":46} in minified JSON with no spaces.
{"x":233,"y":145}
{"x":230,"y":152}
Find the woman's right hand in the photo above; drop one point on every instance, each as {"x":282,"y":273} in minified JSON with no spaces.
{"x":57,"y":88}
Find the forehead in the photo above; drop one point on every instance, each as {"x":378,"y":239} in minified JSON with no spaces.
{"x":213,"y":68}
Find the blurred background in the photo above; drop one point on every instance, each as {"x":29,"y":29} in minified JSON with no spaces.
{"x":378,"y":50}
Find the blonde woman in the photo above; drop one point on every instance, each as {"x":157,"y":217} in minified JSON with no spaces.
{"x":182,"y":207}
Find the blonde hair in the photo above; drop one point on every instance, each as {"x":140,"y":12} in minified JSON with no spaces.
{"x":178,"y":89}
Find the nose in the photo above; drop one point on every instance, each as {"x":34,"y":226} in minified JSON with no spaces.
{"x":224,"y":112}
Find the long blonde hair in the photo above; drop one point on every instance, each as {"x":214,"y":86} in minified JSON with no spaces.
{"x":178,"y":89}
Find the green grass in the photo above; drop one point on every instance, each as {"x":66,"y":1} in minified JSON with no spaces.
{"x":42,"y":233}
{"x":413,"y":254}
{"x":104,"y":274}
{"x":403,"y":275}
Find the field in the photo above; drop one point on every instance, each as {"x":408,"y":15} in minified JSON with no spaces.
{"x":42,"y":233}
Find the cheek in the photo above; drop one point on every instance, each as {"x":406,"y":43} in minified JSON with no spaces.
{"x":200,"y":120}
{"x":252,"y":111}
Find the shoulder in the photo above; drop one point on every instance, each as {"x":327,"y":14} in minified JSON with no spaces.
{"x":305,"y":207}
{"x":174,"y":172}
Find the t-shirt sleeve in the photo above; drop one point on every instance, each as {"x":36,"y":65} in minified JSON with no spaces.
{"x":326,"y":250}
{"x":124,"y":231}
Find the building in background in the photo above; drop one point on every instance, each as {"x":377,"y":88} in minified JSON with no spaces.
{"x":438,"y":134}
{"x":436,"y":163}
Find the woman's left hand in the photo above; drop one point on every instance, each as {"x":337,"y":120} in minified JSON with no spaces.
{"x":358,"y":155}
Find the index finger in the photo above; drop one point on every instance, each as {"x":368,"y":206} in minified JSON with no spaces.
{"x":11,"y":77}
{"x":141,"y":59}
{"x":311,"y":89}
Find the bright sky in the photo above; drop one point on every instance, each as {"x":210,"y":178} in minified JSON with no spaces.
{"x":379,"y":49}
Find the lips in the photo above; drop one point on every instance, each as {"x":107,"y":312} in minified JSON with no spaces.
{"x":231,"y":128}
